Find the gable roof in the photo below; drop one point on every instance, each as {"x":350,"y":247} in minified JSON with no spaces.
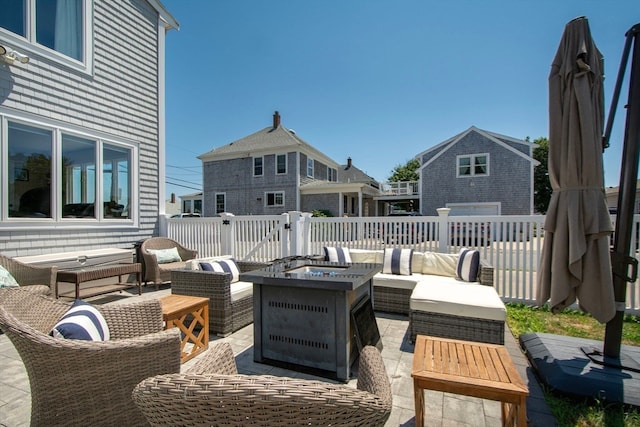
{"x":497,"y":138}
{"x":350,"y":174}
{"x":266,"y":141}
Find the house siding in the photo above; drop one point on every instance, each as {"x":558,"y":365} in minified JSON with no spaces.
{"x":118,"y":99}
{"x":330,"y":202}
{"x":509,"y":180}
{"x":245,"y":193}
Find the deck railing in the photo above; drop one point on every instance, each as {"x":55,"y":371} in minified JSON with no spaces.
{"x":512,"y":244}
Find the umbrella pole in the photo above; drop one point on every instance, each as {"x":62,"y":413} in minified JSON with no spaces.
{"x":621,"y":258}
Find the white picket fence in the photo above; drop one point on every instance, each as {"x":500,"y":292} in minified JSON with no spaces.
{"x":512,"y":244}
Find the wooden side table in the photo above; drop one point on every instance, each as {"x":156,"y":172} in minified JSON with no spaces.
{"x":468,"y":368}
{"x":175,"y":312}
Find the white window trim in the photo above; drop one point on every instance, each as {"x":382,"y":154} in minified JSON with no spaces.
{"x":253,"y":165}
{"x":472,"y":157}
{"x":58,"y":129}
{"x":286,"y":164}
{"x":27,"y":45}
{"x":266,"y":203}
{"x":310,"y":166}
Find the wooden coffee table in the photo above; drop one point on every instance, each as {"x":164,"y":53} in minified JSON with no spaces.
{"x":186,"y":313}
{"x":89,"y":274}
{"x":468,"y":368}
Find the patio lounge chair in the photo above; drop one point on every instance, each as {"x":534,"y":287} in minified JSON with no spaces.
{"x":158,"y":273}
{"x":33,"y":278}
{"x":213,"y":393}
{"x":87,"y":383}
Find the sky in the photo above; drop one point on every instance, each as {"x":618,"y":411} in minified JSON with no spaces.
{"x":376,"y":80}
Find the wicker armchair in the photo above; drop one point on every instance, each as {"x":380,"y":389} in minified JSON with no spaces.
{"x":87,"y":383}
{"x":213,"y":393}
{"x":33,"y":278}
{"x":160,"y":273}
{"x":226,"y":314}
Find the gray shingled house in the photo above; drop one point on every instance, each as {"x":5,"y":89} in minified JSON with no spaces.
{"x":478,"y":172}
{"x":81,"y":124}
{"x":274,"y":171}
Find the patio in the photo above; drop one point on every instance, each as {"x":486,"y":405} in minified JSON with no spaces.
{"x":442,"y":409}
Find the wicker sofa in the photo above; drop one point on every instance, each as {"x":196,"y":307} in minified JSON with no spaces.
{"x":87,"y":383}
{"x":31,"y":277}
{"x":437,"y":302}
{"x":230,"y":304}
{"x":213,"y":393}
{"x":158,"y":273}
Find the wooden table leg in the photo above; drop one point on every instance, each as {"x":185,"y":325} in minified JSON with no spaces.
{"x":418,"y":395}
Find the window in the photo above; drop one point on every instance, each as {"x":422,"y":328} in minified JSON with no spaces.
{"x":309,"y":167}
{"x":332,"y":174}
{"x":58,"y":29}
{"x":473,"y":165}
{"x":221,"y":202}
{"x":53,"y":174}
{"x":275,"y":198}
{"x":281,"y":164}
{"x":257,"y":166}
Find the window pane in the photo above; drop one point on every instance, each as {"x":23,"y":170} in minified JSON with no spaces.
{"x":29,"y":171}
{"x":310,"y":167}
{"x":257,"y":165}
{"x":220,"y":203}
{"x":59,"y":26}
{"x":464,"y":170}
{"x":116,"y":170}
{"x":12,"y":16}
{"x":480,"y":165}
{"x":78,"y":177}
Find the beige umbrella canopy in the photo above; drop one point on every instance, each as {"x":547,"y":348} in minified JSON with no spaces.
{"x":575,"y":260}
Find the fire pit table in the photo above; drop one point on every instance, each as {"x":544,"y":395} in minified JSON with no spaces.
{"x":302,"y":314}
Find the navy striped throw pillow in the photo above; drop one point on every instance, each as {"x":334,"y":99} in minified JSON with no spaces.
{"x":223,"y":266}
{"x":468,"y":265}
{"x":82,"y":322}
{"x":397,"y":261}
{"x":340,"y":255}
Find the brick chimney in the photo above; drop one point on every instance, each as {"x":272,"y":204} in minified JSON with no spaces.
{"x":276,"y":120}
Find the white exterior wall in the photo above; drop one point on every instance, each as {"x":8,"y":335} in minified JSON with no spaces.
{"x":117,"y":100}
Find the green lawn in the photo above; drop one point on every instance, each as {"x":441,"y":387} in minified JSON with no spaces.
{"x":571,"y":412}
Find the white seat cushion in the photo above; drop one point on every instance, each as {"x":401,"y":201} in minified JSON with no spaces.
{"x":396,"y":281}
{"x":457,"y":298}
{"x":194,"y":264}
{"x":240,"y":290}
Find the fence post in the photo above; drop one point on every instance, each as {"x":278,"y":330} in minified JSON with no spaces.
{"x":163,"y":226}
{"x":443,"y":229}
{"x":227,"y":234}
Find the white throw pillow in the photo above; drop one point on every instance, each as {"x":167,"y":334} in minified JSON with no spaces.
{"x":340,"y":255}
{"x":223,"y":266}
{"x":468,"y":265}
{"x":6,"y":279}
{"x":82,"y":322}
{"x":397,"y":261}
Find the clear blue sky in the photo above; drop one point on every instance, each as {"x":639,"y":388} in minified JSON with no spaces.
{"x":375,"y":80}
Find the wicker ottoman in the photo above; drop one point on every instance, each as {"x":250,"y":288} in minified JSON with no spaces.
{"x":465,"y":311}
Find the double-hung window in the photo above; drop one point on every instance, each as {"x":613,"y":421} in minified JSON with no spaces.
{"x":54,"y":174}
{"x":56,"y":29}
{"x":258,"y":167}
{"x":309,"y":167}
{"x":221,"y":202}
{"x":281,"y":164}
{"x":473,"y":165}
{"x":274,"y":198}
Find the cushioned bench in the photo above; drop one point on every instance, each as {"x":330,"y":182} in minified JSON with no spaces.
{"x":438,"y":302}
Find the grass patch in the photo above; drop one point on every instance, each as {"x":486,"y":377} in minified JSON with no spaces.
{"x":571,"y":412}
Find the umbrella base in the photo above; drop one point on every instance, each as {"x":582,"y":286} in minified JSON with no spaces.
{"x":625,"y":361}
{"x":561,"y":364}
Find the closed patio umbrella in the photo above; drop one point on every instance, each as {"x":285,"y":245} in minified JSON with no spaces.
{"x":575,"y":261}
